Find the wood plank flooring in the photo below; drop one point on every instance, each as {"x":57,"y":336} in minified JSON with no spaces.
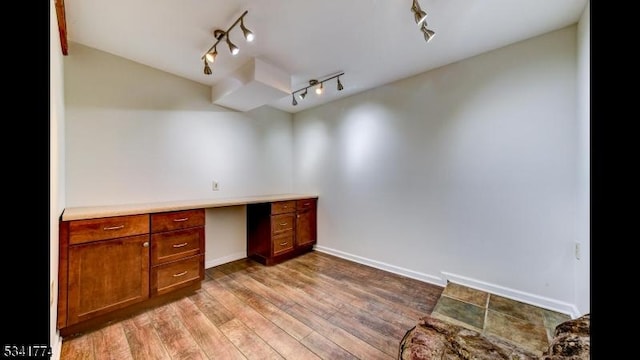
{"x":315,"y":306}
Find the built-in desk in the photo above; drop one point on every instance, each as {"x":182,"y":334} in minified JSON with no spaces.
{"x":119,"y":259}
{"x":92,"y":212}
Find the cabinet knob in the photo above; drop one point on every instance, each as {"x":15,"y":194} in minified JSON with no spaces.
{"x":145,"y":244}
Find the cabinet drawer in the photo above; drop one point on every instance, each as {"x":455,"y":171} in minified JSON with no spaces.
{"x":82,"y":231}
{"x":176,"y":220}
{"x":171,"y":276}
{"x":282,"y":243}
{"x":174,"y":245}
{"x":305,"y":204}
{"x":281,"y":207}
{"x":282,"y":223}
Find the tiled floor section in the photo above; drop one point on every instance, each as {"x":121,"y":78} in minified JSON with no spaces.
{"x":526,"y":325}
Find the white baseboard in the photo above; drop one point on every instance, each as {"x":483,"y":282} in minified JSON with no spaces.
{"x":56,"y":348}
{"x":528,"y":298}
{"x":532,"y":299}
{"x":384,"y":266}
{"x":225,"y":259}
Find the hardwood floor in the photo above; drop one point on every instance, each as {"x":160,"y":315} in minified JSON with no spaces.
{"x":316,"y":306}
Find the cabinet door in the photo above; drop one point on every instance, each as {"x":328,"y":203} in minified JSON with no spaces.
{"x":107,"y":275}
{"x":306,"y":226}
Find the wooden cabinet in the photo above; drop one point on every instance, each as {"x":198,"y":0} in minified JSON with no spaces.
{"x":177,"y":250}
{"x":107,"y":275}
{"x":280,"y":230}
{"x":112,"y":266}
{"x":306,"y":230}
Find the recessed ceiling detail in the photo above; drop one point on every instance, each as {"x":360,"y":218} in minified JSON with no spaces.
{"x":308,"y":38}
{"x":254,"y":84}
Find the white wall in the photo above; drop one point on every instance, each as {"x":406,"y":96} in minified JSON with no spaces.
{"x":468,"y":170}
{"x":56,"y":169}
{"x":135,"y":134}
{"x":583,"y":285}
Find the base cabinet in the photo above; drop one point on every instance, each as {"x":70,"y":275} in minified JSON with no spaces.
{"x":115,"y":265}
{"x":306,"y":223}
{"x":97,"y":286}
{"x":280,"y":230}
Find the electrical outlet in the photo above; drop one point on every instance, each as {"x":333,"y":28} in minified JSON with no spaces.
{"x":215,"y":186}
{"x":577,"y":250}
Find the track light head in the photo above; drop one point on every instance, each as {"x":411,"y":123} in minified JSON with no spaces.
{"x":340,"y":87}
{"x":234,"y":49}
{"x":247,"y":33}
{"x":302,"y":95}
{"x":320,"y":89}
{"x":428,"y":34}
{"x":207,"y":69}
{"x":211,"y":56}
{"x":294,"y":102}
{"x":420,"y":16}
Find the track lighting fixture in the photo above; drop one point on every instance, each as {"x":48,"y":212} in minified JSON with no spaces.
{"x":420,"y":16}
{"x":210,"y":55}
{"x":319,"y":85}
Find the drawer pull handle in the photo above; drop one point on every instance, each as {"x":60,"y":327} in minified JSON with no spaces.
{"x":180,"y":245}
{"x":180,"y":274}
{"x":307,"y":204}
{"x":113,"y":227}
{"x":180,"y":220}
{"x":283,"y":224}
{"x":145,"y":244}
{"x":284,"y":243}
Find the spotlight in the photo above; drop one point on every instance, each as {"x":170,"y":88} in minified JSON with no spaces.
{"x":418,"y":14}
{"x":303,"y":94}
{"x":294,"y":102}
{"x":428,"y":34}
{"x":247,"y":33}
{"x":234,"y":49}
{"x":340,"y":87}
{"x":211,"y":56}
{"x":207,"y":69}
{"x":319,"y":89}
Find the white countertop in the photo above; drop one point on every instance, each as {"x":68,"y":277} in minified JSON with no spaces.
{"x":91,"y":212}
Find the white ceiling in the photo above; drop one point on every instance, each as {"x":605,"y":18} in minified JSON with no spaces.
{"x":373,"y":41}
